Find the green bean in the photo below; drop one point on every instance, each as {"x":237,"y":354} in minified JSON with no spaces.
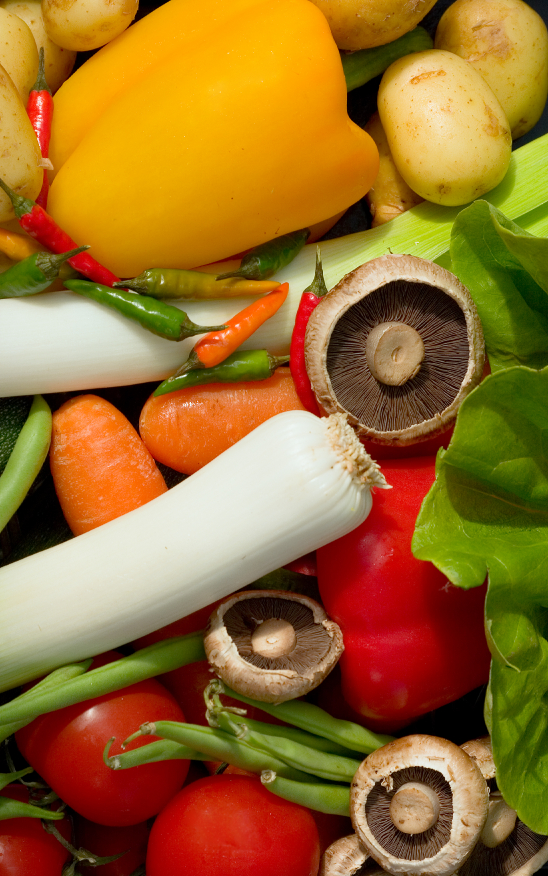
{"x":58,"y":676}
{"x":362,"y":66}
{"x":26,"y":459}
{"x":218,"y":745}
{"x":179,"y":283}
{"x":156,"y":316}
{"x":153,"y":752}
{"x":35,"y":273}
{"x":146,"y":663}
{"x":241,"y":365}
{"x":324,"y":765}
{"x":268,"y":258}
{"x":310,"y":717}
{"x":331,"y":799}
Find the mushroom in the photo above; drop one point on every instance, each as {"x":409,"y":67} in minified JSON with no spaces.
{"x":418,"y":805}
{"x":272,"y":645}
{"x":397,"y":344}
{"x":347,"y":857}
{"x":506,"y":847}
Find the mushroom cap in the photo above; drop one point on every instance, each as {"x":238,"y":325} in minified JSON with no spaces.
{"x":272,"y":645}
{"x":347,"y":857}
{"x":457,"y":781}
{"x":374,"y":300}
{"x":506,"y":847}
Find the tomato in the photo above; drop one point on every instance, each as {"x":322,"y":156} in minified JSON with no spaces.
{"x":66,"y":749}
{"x":231,"y":825}
{"x":105,"y":841}
{"x":412,"y":641}
{"x":26,"y":849}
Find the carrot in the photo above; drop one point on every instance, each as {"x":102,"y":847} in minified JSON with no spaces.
{"x":101,"y":469}
{"x":188,"y":428}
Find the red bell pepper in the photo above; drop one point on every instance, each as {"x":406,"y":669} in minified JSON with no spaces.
{"x":413,"y":641}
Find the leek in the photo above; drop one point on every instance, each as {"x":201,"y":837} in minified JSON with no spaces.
{"x":298,"y":481}
{"x":58,"y":342}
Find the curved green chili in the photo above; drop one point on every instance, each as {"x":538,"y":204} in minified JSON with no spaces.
{"x":158,"y":317}
{"x":26,"y":459}
{"x":331,"y":799}
{"x":241,"y":366}
{"x":154,"y":660}
{"x":35,"y":273}
{"x":179,"y":283}
{"x":268,"y":258}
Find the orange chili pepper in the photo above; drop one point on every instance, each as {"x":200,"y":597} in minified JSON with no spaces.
{"x":214,"y":347}
{"x":17,"y":246}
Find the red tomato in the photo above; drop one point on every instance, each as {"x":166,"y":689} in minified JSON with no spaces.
{"x":66,"y":749}
{"x":105,"y":841}
{"x":232,"y":826}
{"x":412,"y":641}
{"x":25,"y":847}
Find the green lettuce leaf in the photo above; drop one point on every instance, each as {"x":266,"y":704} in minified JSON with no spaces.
{"x":506,"y":270}
{"x":487,"y":514}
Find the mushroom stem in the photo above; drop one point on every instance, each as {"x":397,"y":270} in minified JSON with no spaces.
{"x":273,"y":638}
{"x":394,"y":352}
{"x":500,"y":823}
{"x":414,"y":808}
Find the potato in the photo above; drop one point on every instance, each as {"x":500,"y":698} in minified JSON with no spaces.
{"x":361,"y":24}
{"x":389,"y":196}
{"x":18,"y":52}
{"x":19,"y":151}
{"x":507,"y":42}
{"x":81,"y":25}
{"x":446,"y":130}
{"x":58,"y":62}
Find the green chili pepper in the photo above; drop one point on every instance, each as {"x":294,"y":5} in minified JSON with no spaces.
{"x":241,"y":365}
{"x":268,"y":258}
{"x":179,"y":283}
{"x":158,"y":317}
{"x":26,"y":459}
{"x":35,"y":273}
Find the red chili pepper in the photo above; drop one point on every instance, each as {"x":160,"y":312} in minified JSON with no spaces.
{"x":310,"y":299}
{"x":216,"y":346}
{"x":35,"y":221}
{"x":40,"y":112}
{"x":413,"y":642}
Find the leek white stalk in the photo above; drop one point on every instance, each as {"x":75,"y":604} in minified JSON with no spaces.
{"x":57,"y":342}
{"x":292,"y":485}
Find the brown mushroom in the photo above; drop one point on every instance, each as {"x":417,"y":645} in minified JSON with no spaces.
{"x":347,"y":857}
{"x":418,"y":805}
{"x":506,"y":847}
{"x":397,"y":344}
{"x":272,"y":645}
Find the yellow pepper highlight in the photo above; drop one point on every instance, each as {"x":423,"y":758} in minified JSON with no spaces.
{"x":236,"y":135}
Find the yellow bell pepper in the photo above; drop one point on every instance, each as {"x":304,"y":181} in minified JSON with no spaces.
{"x":227,"y":136}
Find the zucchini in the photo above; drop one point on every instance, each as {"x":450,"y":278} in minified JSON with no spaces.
{"x":14,"y":411}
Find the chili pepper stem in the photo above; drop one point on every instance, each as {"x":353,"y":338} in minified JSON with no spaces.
{"x":20,"y":204}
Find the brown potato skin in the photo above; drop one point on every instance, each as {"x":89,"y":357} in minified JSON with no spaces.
{"x":507,"y":43}
{"x":362,"y":24}
{"x":389,"y":196}
{"x":58,"y":62}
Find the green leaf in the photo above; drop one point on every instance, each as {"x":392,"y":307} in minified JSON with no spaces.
{"x":506,"y":271}
{"x":487,"y":513}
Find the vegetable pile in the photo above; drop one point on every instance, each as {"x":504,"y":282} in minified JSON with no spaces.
{"x":273,"y":354}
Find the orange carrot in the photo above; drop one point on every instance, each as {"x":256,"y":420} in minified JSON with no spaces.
{"x":101,"y":469}
{"x":214,"y":347}
{"x":188,"y":428}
